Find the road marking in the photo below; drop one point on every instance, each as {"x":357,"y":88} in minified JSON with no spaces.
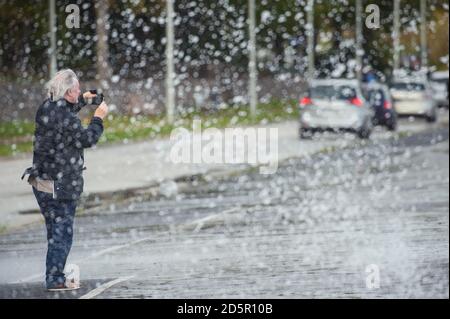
{"x":96,"y":254}
{"x":198,"y":224}
{"x":100,"y":289}
{"x":27,"y":279}
{"x":115,"y":248}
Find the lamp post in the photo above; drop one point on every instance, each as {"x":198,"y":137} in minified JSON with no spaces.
{"x":423,"y":35}
{"x":170,"y":73}
{"x":396,"y":35}
{"x":359,"y":40}
{"x":310,"y":35}
{"x":52,"y":31}
{"x":252,"y":70}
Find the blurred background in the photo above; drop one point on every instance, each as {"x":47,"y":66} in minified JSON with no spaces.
{"x":121,"y":47}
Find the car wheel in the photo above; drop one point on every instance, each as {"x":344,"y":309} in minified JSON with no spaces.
{"x":392,"y":125}
{"x":432,"y":118}
{"x":305,"y":134}
{"x":365,"y":132}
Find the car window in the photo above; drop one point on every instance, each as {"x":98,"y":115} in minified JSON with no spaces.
{"x":442,"y":81}
{"x":408,"y":86}
{"x":332,"y":92}
{"x":376,"y":97}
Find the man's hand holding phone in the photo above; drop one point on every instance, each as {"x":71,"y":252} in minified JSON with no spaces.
{"x":101,"y":111}
{"x":93,"y":97}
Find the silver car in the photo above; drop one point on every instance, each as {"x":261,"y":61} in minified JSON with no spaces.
{"x":414,"y":98}
{"x":336,"y":105}
{"x":439,"y":85}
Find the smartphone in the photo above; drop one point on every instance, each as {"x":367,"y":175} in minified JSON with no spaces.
{"x":97,"y":100}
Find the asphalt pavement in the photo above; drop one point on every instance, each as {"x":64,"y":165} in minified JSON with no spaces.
{"x":362,"y":220}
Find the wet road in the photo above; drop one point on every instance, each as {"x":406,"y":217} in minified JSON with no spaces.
{"x":312,"y":230}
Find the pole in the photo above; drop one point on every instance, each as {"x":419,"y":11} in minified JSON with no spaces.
{"x":310,"y":34}
{"x":252,"y":58}
{"x":52,"y":29}
{"x":396,"y":35}
{"x":170,"y":88}
{"x":104,"y":70}
{"x":423,"y":35}
{"x":359,"y":39}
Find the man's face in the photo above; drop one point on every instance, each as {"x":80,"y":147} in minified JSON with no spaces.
{"x":73,"y":94}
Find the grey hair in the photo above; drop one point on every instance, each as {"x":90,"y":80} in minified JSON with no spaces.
{"x":63,"y":81}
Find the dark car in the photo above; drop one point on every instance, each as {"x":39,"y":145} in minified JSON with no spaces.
{"x":379,"y":97}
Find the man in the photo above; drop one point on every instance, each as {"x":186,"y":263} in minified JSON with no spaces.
{"x":58,"y":163}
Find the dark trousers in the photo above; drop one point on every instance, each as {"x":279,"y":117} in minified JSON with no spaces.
{"x":59,"y":216}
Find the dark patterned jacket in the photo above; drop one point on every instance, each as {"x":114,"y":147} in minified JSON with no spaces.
{"x":59,"y":142}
